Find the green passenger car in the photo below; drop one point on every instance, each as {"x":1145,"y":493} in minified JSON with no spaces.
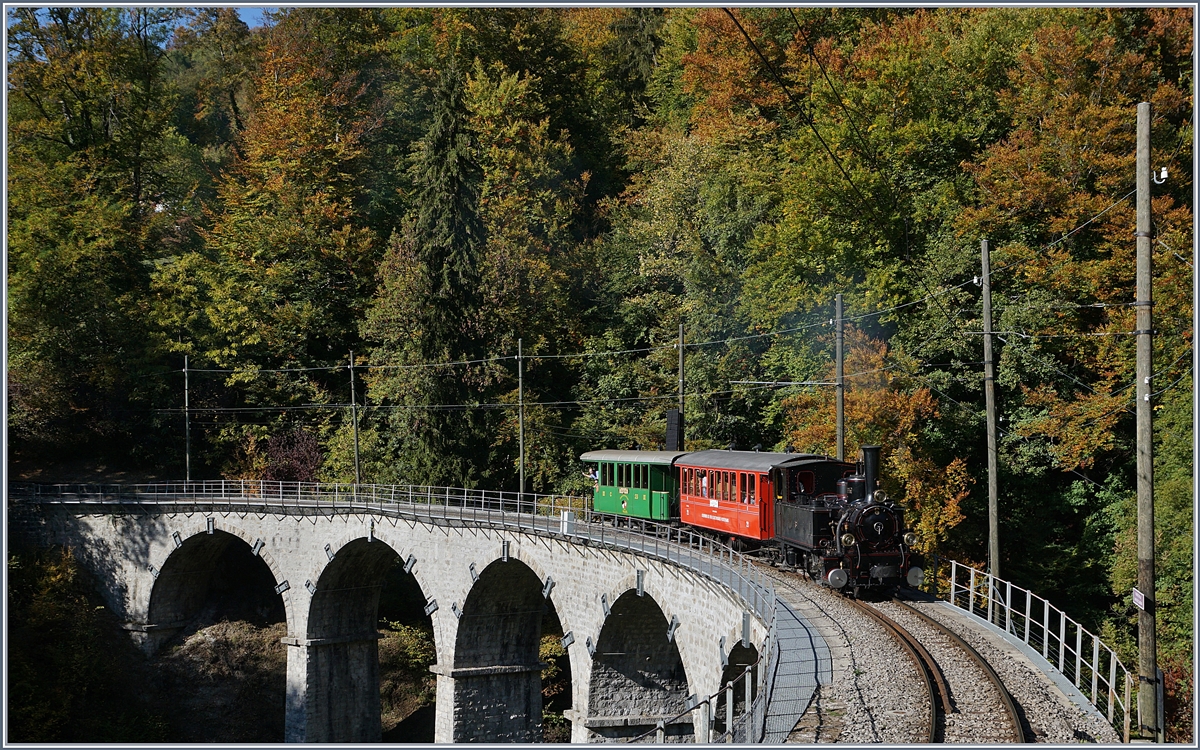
{"x":640,"y":484}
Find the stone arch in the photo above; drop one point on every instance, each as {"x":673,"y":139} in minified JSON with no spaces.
{"x":383,"y":531}
{"x":739,"y":658}
{"x":341,"y":644}
{"x":563,"y":703}
{"x":638,"y":676}
{"x":497,"y":671}
{"x":184,"y":582}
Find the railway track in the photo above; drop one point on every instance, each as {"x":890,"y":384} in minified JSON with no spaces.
{"x":933,"y":683}
{"x":968,"y":701}
{"x":977,"y":706}
{"x":873,"y":696}
{"x":941,"y":691}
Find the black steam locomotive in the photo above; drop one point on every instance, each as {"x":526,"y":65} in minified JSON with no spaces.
{"x":841,"y":529}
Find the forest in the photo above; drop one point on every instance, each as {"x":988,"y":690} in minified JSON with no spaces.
{"x":358,"y":217}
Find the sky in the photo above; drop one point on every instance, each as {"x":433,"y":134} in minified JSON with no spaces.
{"x":253,"y":16}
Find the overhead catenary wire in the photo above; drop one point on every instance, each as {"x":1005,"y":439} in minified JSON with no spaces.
{"x":234,"y":409}
{"x":424,"y":365}
{"x":1005,"y":434}
{"x":1178,"y":380}
{"x":1065,"y":237}
{"x":1073,"y":334}
{"x":253,"y":370}
{"x":447,"y":407}
{"x":1069,"y":305}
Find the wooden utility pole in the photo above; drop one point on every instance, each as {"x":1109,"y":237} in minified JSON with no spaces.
{"x":989,"y":392}
{"x":1148,"y":708}
{"x":681,"y":422}
{"x":841,"y":381}
{"x":187,"y":424}
{"x":354,"y":419}
{"x":521,"y":411}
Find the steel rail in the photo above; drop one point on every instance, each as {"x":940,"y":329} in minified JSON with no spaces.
{"x":926,"y":666}
{"x":1005,"y":698}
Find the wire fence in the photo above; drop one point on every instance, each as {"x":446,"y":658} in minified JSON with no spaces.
{"x":1074,"y":652}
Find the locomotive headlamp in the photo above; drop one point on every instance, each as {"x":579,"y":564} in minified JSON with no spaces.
{"x":910,"y":539}
{"x":915,"y":577}
{"x":847,"y":540}
{"x":881,"y":497}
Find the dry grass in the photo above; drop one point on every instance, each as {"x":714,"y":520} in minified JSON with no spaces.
{"x":226,"y":683}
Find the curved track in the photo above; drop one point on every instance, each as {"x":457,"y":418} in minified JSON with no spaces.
{"x":1013,"y":716}
{"x":934,"y":683}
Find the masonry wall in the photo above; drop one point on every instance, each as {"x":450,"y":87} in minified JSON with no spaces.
{"x":128,"y":552}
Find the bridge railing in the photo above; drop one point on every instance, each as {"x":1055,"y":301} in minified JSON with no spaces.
{"x":304,"y":495}
{"x":560,"y":514}
{"x":1071,"y":650}
{"x":688,"y":548}
{"x":726,"y":723}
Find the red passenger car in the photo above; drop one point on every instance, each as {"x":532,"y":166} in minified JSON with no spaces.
{"x":730,"y":492}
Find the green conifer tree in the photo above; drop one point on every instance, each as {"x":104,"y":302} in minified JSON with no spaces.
{"x":427,"y":310}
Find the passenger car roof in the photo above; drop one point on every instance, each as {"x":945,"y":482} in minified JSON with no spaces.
{"x":748,"y":460}
{"x":634,"y":457}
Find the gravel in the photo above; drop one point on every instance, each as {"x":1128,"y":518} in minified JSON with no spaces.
{"x":979,"y":714}
{"x":1052,"y":717}
{"x":875,"y":696}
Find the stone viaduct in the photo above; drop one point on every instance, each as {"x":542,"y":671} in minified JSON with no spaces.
{"x":644,"y":634}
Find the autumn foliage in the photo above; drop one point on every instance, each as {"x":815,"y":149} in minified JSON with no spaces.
{"x":434,"y":189}
{"x":883,"y":407}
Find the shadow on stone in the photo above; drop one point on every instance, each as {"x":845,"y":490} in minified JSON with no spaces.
{"x":418,"y":727}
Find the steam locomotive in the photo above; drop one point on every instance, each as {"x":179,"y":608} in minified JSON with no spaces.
{"x":826,"y":517}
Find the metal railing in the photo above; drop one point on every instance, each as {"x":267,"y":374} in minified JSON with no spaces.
{"x":302,"y":496}
{"x":746,"y":726}
{"x":1071,"y":650}
{"x":546,"y":515}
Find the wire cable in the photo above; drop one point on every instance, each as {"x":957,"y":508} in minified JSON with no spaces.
{"x":850,"y":117}
{"x":808,"y":119}
{"x":1066,"y":236}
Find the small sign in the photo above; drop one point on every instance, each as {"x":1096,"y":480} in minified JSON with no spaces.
{"x":1139,"y":599}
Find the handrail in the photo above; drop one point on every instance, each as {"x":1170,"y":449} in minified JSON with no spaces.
{"x":524,"y":511}
{"x":751,"y":709}
{"x":1101,"y":679}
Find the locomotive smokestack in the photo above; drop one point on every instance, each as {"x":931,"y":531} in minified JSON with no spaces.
{"x":870,"y":454}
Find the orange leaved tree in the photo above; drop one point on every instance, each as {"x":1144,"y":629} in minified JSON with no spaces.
{"x":884,"y":408}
